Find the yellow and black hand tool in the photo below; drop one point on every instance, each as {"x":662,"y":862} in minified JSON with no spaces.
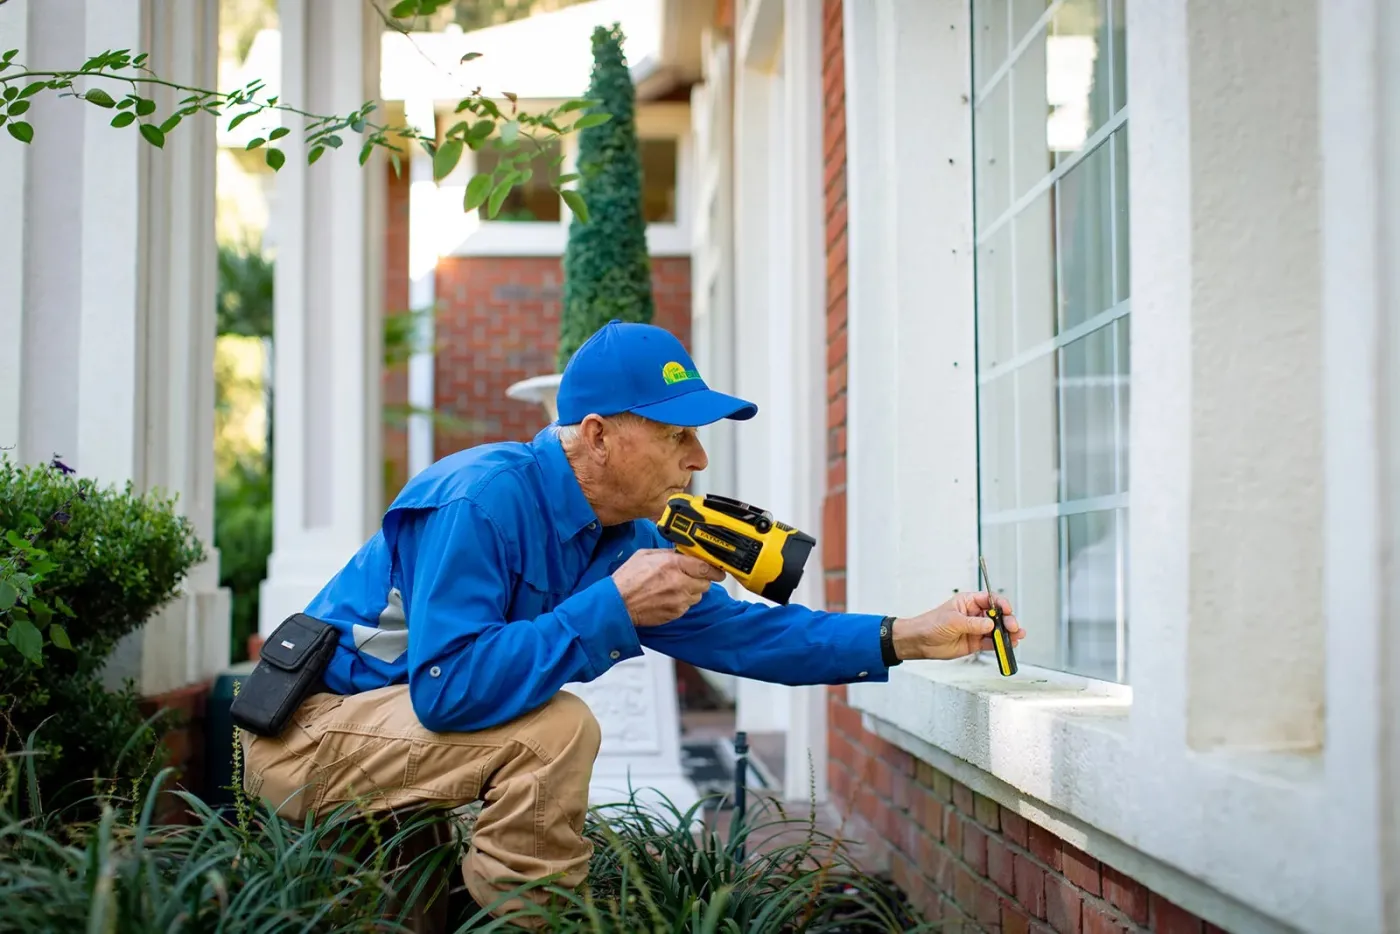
{"x":1001,"y":639}
{"x":765,"y":556}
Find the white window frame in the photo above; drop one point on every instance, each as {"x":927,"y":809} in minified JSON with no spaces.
{"x":1243,"y":837}
{"x":655,"y":120}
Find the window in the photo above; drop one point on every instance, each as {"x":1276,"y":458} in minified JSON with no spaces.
{"x":1051,"y":218}
{"x":659,"y":180}
{"x":533,"y":200}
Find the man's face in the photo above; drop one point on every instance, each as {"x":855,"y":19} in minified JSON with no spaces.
{"x":650,"y":462}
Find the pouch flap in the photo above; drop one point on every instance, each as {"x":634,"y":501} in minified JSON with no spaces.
{"x":292,"y":643}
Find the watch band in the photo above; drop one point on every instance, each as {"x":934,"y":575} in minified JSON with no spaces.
{"x":887,"y":652}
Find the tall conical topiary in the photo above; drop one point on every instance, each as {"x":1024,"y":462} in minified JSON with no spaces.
{"x":607,"y":273}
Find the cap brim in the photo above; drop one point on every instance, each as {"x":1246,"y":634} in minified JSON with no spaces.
{"x":697,"y":408}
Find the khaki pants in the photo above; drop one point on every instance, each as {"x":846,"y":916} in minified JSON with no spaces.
{"x":532,"y":774}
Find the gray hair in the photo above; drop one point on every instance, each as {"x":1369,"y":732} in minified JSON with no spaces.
{"x":568,"y":434}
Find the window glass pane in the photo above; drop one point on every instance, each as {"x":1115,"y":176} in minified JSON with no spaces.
{"x":1087,"y":402}
{"x":1032,"y":158}
{"x":1037,"y":600}
{"x":1122,"y":286}
{"x":990,"y":45}
{"x":996,"y":453}
{"x":994,"y":299}
{"x":1120,"y":56}
{"x":1035,"y":272}
{"x":659,"y":180}
{"x":999,"y":548}
{"x":1077,"y":79}
{"x":1084,"y":206}
{"x":992,"y":186}
{"x":533,"y":200}
{"x":1091,"y":599}
{"x":1037,"y":433}
{"x":1122,"y":369}
{"x":1025,"y":14}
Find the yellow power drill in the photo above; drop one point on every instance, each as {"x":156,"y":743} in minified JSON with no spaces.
{"x":765,"y":556}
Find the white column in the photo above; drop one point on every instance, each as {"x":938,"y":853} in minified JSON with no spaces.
{"x":109,"y":257}
{"x":423,"y":254}
{"x":805,"y":220}
{"x":327,"y":335}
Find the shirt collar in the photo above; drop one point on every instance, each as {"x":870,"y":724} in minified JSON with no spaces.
{"x":568,"y":508}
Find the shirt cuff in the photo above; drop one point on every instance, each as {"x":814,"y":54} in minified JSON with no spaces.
{"x":604,"y":626}
{"x":863,"y":657}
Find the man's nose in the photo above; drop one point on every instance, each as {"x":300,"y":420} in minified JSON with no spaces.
{"x":696,"y":458}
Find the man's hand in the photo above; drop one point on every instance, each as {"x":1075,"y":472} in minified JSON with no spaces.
{"x":957,"y":628}
{"x":659,"y":585}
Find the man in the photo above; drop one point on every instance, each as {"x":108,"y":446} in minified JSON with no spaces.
{"x":502,"y":573}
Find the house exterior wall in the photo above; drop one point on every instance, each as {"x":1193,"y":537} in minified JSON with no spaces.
{"x":396,"y":300}
{"x":499,"y":323}
{"x":1182,"y":797}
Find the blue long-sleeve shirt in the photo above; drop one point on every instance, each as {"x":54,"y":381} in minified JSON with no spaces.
{"x":487,"y":589}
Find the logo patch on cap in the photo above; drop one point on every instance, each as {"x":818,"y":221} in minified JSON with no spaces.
{"x":674,"y":372}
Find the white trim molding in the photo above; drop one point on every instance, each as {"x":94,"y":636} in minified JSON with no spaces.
{"x":1243,"y":773}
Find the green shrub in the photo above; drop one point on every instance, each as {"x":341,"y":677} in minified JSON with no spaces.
{"x":243,"y":535}
{"x":607,"y":272}
{"x":654,"y":870}
{"x":88,"y":564}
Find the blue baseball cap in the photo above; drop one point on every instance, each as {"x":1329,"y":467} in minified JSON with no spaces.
{"x":642,"y":369}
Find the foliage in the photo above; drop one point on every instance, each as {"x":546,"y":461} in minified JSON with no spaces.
{"x":607,"y":273}
{"x":245,"y":291}
{"x":86,"y":565}
{"x":349,"y":870}
{"x":140,"y":92}
{"x":243,"y":535}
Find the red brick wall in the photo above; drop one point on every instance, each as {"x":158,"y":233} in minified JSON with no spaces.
{"x":959,"y":856}
{"x":499,"y":323}
{"x":396,"y":290}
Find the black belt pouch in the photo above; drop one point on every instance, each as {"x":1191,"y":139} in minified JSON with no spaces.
{"x":290,"y":667}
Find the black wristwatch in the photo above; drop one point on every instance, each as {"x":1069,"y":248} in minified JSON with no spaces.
{"x":887,"y":642}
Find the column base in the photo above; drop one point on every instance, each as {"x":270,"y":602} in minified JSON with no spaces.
{"x":292,"y":584}
{"x":636,"y":706}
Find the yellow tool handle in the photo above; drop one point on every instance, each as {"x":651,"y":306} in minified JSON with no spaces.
{"x":1001,"y":639}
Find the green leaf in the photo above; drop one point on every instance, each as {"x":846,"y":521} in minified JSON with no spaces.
{"x":59,"y":637}
{"x":358,"y":124}
{"x":404,"y":8}
{"x":64,"y":608}
{"x":254,"y":143}
{"x":8,"y":595}
{"x":153,"y":135}
{"x":11,"y":93}
{"x":334,"y":141}
{"x":315,"y":153}
{"x":233,"y":124}
{"x":100,"y":97}
{"x":278,"y":133}
{"x":365,"y":152}
{"x":446,"y":158}
{"x":145,"y":107}
{"x":591,"y":120}
{"x":565,"y":179}
{"x":171,"y":123}
{"x":469,"y":57}
{"x":28,"y":640}
{"x":32,"y":89}
{"x":510,"y":132}
{"x":41,"y":611}
{"x":126,"y":102}
{"x":477,"y":191}
{"x":498,"y":194}
{"x":21,"y":131}
{"x":570,"y":106}
{"x":575,"y":202}
{"x":126,"y":118}
{"x":276,"y":158}
{"x":18,"y":107}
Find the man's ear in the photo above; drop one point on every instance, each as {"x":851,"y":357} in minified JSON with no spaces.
{"x":592,"y":436}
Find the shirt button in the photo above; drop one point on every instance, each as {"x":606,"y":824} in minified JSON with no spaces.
{"x":592,"y":525}
{"x":615,"y":654}
{"x":435,"y":671}
{"x":863,"y":674}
